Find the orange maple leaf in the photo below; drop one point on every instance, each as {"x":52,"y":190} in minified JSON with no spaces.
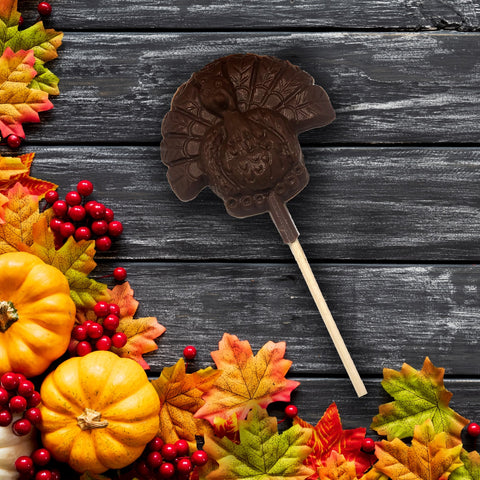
{"x":20,"y":213}
{"x":17,"y":169}
{"x":336,"y":467}
{"x":18,"y":102}
{"x":328,"y":436}
{"x":180,"y":396}
{"x":141,"y":332}
{"x":246,"y":380}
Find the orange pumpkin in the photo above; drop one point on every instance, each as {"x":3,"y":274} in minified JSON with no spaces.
{"x":98,"y":412}
{"x":36,"y":314}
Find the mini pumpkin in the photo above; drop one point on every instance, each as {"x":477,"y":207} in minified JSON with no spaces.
{"x":98,"y":412}
{"x":36,"y":314}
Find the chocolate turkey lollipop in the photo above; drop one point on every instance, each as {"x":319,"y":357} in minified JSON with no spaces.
{"x":233,"y":127}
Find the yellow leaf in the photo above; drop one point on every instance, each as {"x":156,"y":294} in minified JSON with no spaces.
{"x":337,"y":468}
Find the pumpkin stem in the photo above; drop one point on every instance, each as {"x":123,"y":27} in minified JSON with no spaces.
{"x":91,"y":419}
{"x":8,"y":315}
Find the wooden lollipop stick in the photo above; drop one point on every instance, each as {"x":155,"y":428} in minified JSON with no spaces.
{"x":332,"y":328}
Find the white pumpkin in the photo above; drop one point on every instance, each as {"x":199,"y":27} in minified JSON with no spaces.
{"x":11,"y":447}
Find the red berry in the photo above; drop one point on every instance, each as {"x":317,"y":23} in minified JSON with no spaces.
{"x":109,"y":215}
{"x":368,"y":445}
{"x":166,"y":470}
{"x":41,"y":457}
{"x":34,"y":415}
{"x":26,"y":388}
{"x":291,"y":411}
{"x":9,"y":381}
{"x":20,"y":21}
{"x":21,"y":377}
{"x":95,"y":330}
{"x":24,"y":464}
{"x":189,"y":352}
{"x":44,"y":8}
{"x":101,"y":309}
{"x":34,"y":400}
{"x":60,"y":208}
{"x":115,"y":228}
{"x":97,"y":211}
{"x":17,"y":404}
{"x":56,"y":224}
{"x":169,"y":451}
{"x":79,"y":332}
{"x":99,"y":227}
{"x":103,"y":343}
{"x":473,"y":429}
{"x":4,"y":396}
{"x":119,"y":340}
{"x":73,"y":198}
{"x":85,"y":187}
{"x":43,"y":475}
{"x":114,"y":309}
{"x":184,"y":465}
{"x":14,"y":141}
{"x":142,"y":469}
{"x":182,"y":447}
{"x":154,"y":459}
{"x":83,"y":348}
{"x":119,"y":274}
{"x":22,"y":427}
{"x":111,"y":322}
{"x":67,"y":229}
{"x":5,"y":418}
{"x":51,"y":196}
{"x":56,"y":474}
{"x":103,"y":243}
{"x":155,"y":445}
{"x":89,"y":205}
{"x":77,"y":213}
{"x":82,"y":233}
{"x":199,"y":458}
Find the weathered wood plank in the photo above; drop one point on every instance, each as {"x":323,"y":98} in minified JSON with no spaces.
{"x":414,"y":88}
{"x":387,"y":314}
{"x":405,"y":204}
{"x":261,"y":14}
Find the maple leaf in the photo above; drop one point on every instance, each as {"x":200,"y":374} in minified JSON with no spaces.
{"x":374,"y":474}
{"x":19,"y":213}
{"x":428,"y":458}
{"x":336,"y":467}
{"x":226,"y":428}
{"x":246,"y":380}
{"x":141,"y":332}
{"x":470,"y":469}
{"x":17,"y":169}
{"x":180,"y":396}
{"x":418,"y":395}
{"x":73,"y":259}
{"x":263,"y":453}
{"x":3,"y":201}
{"x":328,"y":435}
{"x":18,"y":102}
{"x":44,"y":44}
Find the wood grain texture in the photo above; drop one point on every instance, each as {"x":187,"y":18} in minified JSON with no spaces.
{"x":362,"y":204}
{"x":387,"y":314}
{"x":261,"y":14}
{"x":386,"y":88}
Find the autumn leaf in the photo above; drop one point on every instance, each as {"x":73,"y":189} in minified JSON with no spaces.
{"x":419,"y":395}
{"x":329,"y":436}
{"x":20,"y":214}
{"x":263,"y":453}
{"x":141,"y":332}
{"x":17,"y":169}
{"x":226,"y":428}
{"x":180,"y":396}
{"x":471,"y":466}
{"x":246,"y":380}
{"x":18,"y":102}
{"x":428,"y":458}
{"x":336,"y":467}
{"x":43,"y":42}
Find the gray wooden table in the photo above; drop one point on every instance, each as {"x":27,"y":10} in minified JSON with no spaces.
{"x":390,"y":220}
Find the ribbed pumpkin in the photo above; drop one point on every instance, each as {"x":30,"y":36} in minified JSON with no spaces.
{"x":98,"y":412}
{"x":36,"y":314}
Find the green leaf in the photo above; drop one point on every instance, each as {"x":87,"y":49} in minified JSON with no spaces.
{"x":263,"y":453}
{"x":419,"y":395}
{"x":470,"y":469}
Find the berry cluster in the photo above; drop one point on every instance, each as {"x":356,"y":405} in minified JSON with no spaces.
{"x":99,"y":335}
{"x":35,"y":465}
{"x":83,"y":220}
{"x":18,"y":398}
{"x":169,"y":460}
